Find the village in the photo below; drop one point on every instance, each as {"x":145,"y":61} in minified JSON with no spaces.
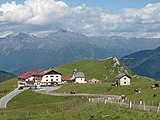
{"x":43,"y":78}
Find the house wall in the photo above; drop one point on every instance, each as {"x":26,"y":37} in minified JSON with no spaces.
{"x":51,"y":78}
{"x":80,"y":80}
{"x":124,"y":81}
{"x":21,"y":84}
{"x":30,"y":79}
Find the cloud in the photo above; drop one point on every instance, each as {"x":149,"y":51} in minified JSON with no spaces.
{"x":47,"y":15}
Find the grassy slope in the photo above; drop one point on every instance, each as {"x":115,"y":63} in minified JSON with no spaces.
{"x":7,"y":86}
{"x":137,"y":83}
{"x":5,"y":76}
{"x":34,"y":106}
{"x":91,"y":69}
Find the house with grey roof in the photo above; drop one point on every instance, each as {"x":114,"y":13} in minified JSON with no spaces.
{"x":123,"y":79}
{"x":78,"y":77}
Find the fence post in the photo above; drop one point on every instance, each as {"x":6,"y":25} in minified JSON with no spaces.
{"x":158,"y":107}
{"x":89,"y":99}
{"x":105,"y":101}
{"x":130,"y":104}
{"x":144,"y":105}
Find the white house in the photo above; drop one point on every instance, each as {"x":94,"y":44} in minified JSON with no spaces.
{"x":78,"y":77}
{"x":39,"y":78}
{"x":123,"y":79}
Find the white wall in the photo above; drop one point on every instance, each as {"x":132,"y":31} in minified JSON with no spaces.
{"x":30,"y":79}
{"x":124,"y":81}
{"x":80,"y":80}
{"x":51,"y":78}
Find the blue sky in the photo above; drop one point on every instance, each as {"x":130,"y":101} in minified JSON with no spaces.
{"x":129,"y":18}
{"x":113,"y":5}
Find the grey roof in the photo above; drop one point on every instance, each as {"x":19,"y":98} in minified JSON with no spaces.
{"x":121,"y":75}
{"x":79,"y":75}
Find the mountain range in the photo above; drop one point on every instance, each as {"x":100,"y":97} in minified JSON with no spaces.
{"x":145,"y":63}
{"x":23,"y":51}
{"x":5,"y":76}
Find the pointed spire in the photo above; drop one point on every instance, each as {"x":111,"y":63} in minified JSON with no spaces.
{"x":75,"y":70}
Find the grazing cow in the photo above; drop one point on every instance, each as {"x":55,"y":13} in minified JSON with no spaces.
{"x":73,"y":92}
{"x":155,"y":86}
{"x":123,"y":97}
{"x":137,"y":91}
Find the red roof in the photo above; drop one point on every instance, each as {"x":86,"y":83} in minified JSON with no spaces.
{"x":66,"y":79}
{"x":37,"y":73}
{"x":27,"y":74}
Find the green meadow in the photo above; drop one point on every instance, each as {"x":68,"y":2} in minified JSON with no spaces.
{"x":30,"y":105}
{"x":144,"y":84}
{"x":34,"y":106}
{"x":99,"y":69}
{"x":7,"y":86}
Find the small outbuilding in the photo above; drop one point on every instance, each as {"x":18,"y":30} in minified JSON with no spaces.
{"x":78,"y":77}
{"x":67,"y":80}
{"x":123,"y":79}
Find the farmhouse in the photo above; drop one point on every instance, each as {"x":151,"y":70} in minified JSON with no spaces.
{"x":78,"y":77}
{"x":123,"y":79}
{"x":39,"y":78}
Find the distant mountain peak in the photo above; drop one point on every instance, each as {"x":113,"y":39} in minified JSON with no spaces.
{"x":62,"y":30}
{"x":21,"y":35}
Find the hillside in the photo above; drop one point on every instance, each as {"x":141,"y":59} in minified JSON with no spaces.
{"x":22,"y":52}
{"x":7,"y":86}
{"x":145,"y":63}
{"x":5,"y":76}
{"x":104,"y":70}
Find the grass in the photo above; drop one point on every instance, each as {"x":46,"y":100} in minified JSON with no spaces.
{"x":33,"y":106}
{"x":102,"y":70}
{"x":7,"y":86}
{"x":29,"y":105}
{"x":147,"y":94}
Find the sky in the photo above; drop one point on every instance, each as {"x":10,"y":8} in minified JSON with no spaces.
{"x":128,"y":18}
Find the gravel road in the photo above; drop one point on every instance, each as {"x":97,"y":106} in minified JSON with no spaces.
{"x":4,"y":100}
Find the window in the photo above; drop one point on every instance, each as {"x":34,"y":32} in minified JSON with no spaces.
{"x":46,"y":80}
{"x":56,"y":76}
{"x":51,"y":79}
{"x":124,"y":82}
{"x":125,"y":78}
{"x":52,"y":76}
{"x":46,"y":76}
{"x":56,"y":79}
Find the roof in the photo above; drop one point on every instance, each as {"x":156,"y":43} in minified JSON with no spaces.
{"x":37,"y":73}
{"x":27,"y":74}
{"x":121,"y":76}
{"x":66,"y":79}
{"x":79,"y":75}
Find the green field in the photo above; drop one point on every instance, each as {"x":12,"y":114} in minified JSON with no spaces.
{"x":7,"y":86}
{"x":147,"y":94}
{"x":33,"y":106}
{"x":102,"y":70}
{"x":29,"y":105}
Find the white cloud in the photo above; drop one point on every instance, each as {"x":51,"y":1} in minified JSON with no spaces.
{"x":48,"y":15}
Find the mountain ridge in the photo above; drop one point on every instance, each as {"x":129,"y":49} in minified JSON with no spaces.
{"x":24,"y":51}
{"x":5,"y":76}
{"x":145,"y":63}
